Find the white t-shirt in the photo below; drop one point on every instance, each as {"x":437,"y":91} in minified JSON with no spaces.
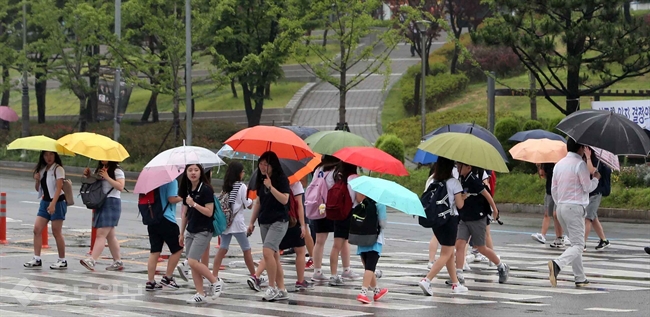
{"x":453,"y":187}
{"x":51,"y":181}
{"x":297,"y":189}
{"x":238,"y":208}
{"x":329,"y":177}
{"x":106,"y":186}
{"x":353,"y":194}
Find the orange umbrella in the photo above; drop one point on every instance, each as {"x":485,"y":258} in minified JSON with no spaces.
{"x":297,"y":176}
{"x":259,"y":139}
{"x":539,"y":151}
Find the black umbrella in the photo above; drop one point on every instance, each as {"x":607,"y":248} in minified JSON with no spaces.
{"x":302,"y":132}
{"x":289,"y":167}
{"x":606,"y":130}
{"x":535,"y":134}
{"x":474,"y":129}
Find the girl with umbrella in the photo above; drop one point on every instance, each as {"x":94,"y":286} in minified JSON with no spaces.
{"x":49,"y":175}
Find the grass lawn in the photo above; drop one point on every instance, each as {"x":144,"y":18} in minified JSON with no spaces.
{"x":62,"y":102}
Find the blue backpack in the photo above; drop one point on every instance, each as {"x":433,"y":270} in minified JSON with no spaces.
{"x":219,"y":222}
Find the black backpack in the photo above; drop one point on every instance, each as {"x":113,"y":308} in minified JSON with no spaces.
{"x":150,"y":207}
{"x":435,"y":201}
{"x":364,"y":224}
{"x":91,"y":192}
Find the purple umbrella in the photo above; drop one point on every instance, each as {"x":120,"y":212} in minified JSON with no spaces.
{"x":8,"y":114}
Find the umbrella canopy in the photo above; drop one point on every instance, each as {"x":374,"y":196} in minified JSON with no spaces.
{"x":8,"y":114}
{"x":94,"y":146}
{"x":607,"y":158}
{"x":424,"y":157}
{"x":153,"y":177}
{"x":259,"y":139}
{"x":294,"y":170}
{"x":371,"y":158}
{"x":328,"y":142}
{"x":606,"y":130}
{"x":183,"y":155}
{"x":465,"y":148}
{"x":226,"y":151}
{"x":38,"y":143}
{"x":474,"y":129}
{"x":535,"y":134}
{"x":388,"y":193}
{"x":539,"y":151}
{"x":302,"y":132}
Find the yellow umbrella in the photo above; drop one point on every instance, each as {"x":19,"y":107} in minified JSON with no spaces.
{"x":539,"y":151}
{"x":38,"y":143}
{"x":465,"y":148}
{"x":94,"y":146}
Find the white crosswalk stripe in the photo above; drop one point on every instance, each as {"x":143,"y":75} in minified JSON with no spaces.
{"x":109,"y":294}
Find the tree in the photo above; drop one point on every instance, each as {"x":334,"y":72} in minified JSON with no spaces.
{"x":464,"y":14}
{"x":351,"y":22}
{"x":8,"y":53}
{"x":572,"y":44}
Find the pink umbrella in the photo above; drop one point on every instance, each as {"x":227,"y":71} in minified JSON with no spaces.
{"x":8,"y":114}
{"x":608,"y":158}
{"x":153,"y":177}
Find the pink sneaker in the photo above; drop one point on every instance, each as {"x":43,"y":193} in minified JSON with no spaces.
{"x":363,"y":298}
{"x":309,"y":265}
{"x":379,"y":293}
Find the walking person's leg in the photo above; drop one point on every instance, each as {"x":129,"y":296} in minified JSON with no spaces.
{"x":433,"y":249}
{"x":571,"y":218}
{"x":39,"y":224}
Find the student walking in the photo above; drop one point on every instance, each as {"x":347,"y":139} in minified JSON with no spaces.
{"x":108,"y":215}
{"x":545,"y":171}
{"x":570,"y":189}
{"x":603,"y":190}
{"x":165,"y":232}
{"x":49,"y":176}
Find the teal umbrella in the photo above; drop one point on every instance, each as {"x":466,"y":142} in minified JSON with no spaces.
{"x":388,"y":193}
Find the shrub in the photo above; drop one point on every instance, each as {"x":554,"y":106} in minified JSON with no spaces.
{"x":552,"y":124}
{"x":498,"y":59}
{"x":447,"y":50}
{"x":381,"y":139}
{"x":393,"y":145}
{"x":439,"y":88}
{"x":505,"y":128}
{"x":438,"y":68}
{"x":635,"y":176}
{"x":533,"y":125}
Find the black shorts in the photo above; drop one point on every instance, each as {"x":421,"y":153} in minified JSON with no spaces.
{"x":292,"y":239}
{"x":447,"y":233}
{"x":323,"y":225}
{"x":370,"y":260}
{"x":166,"y":232}
{"x":342,"y":228}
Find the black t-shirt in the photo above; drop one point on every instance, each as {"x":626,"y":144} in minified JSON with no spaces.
{"x":474,"y":207}
{"x":196,"y":221}
{"x":271,"y":210}
{"x":548,"y":171}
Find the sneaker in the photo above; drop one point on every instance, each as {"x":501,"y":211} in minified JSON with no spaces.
{"x":254,"y":284}
{"x":264,"y":279}
{"x":466,"y":266}
{"x":602,"y":245}
{"x":557,"y":243}
{"x":88,"y":263}
{"x":539,"y":238}
{"x":363,"y":298}
{"x":33,"y":263}
{"x":309,"y":265}
{"x":379,"y":274}
{"x":169,"y":282}
{"x":458,"y":289}
{"x":197,"y":299}
{"x":469,"y":258}
{"x":303,"y":285}
{"x":152,"y":286}
{"x":583,"y":283}
{"x":216,"y":288}
{"x":566,"y":241}
{"x":282,"y":295}
{"x":318,"y":277}
{"x":430,"y":265}
{"x":481,"y":258}
{"x":270,"y":294}
{"x":349,"y":275}
{"x":426,"y":287}
{"x":183,"y":271}
{"x":336,"y":281}
{"x":504,"y":270}
{"x":59,"y":265}
{"x":116,"y":266}
{"x":379,"y":293}
{"x":553,"y":271}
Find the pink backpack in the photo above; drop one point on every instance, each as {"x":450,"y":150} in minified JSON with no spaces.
{"x":315,"y":195}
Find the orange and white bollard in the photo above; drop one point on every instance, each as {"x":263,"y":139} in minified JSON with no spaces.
{"x":3,"y":218}
{"x":44,"y":238}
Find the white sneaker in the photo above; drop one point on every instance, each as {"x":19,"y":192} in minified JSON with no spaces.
{"x":264,"y":279}
{"x":466,"y":267}
{"x":196,"y":299}
{"x":59,"y":265}
{"x":469,"y":258}
{"x":216,"y":288}
{"x":426,"y":287}
{"x":539,"y":238}
{"x":379,"y":273}
{"x":458,"y":289}
{"x":567,"y":242}
{"x":183,"y":271}
{"x":481,"y":258}
{"x":319,"y":277}
{"x":349,"y":275}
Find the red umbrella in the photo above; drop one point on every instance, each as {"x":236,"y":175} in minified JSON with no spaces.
{"x":8,"y":114}
{"x":373,"y":159}
{"x":259,"y":139}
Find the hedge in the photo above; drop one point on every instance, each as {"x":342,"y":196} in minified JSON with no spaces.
{"x":391,"y":144}
{"x":439,"y":88}
{"x":533,"y":125}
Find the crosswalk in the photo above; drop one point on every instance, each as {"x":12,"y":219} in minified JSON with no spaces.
{"x":621,"y":267}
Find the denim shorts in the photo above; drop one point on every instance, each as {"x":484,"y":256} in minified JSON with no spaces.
{"x":60,"y":209}
{"x":241,"y":237}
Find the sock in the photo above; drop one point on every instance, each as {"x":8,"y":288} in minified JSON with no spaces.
{"x":364,"y":290}
{"x":345,"y":269}
{"x":152,"y":281}
{"x":318,"y":271}
{"x":185,"y":263}
{"x":459,"y":273}
{"x":376,"y":289}
{"x":500,"y":265}
{"x":427,"y":280}
{"x":62,"y":260}
{"x":37,"y":258}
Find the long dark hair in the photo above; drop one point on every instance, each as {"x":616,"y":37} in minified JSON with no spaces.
{"x":328,"y":163}
{"x":186,"y":185}
{"x":41,"y":161}
{"x":272,"y":159}
{"x":444,"y":168}
{"x":111,"y":167}
{"x":233,"y":175}
{"x":433,"y":168}
{"x":344,"y":170}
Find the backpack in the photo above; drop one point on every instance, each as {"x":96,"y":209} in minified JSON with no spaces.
{"x":364,"y":225}
{"x":219,"y":222}
{"x":315,"y":195}
{"x":150,"y":207}
{"x":339,"y":202}
{"x":435,"y":201}
{"x":293,"y":209}
{"x":91,"y":192}
{"x":67,"y":189}
{"x":224,"y":203}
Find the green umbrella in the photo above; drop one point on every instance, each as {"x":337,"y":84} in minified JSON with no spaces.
{"x":467,"y":149}
{"x":328,"y":142}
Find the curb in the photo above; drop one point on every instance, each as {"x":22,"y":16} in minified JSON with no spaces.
{"x":297,"y":99}
{"x":610,"y":214}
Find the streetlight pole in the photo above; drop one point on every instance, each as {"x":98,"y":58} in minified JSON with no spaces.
{"x":188,"y":73}
{"x":25,"y":100}
{"x":422,"y":28}
{"x":117,"y":89}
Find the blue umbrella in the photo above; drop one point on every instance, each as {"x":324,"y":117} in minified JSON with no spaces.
{"x":388,"y":193}
{"x":302,"y":132}
{"x":424,"y":157}
{"x":474,"y":129}
{"x":535,"y":134}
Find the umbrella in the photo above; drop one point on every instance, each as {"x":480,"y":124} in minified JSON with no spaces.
{"x":153,"y":177}
{"x":259,"y":139}
{"x":465,"y":148}
{"x":226,"y":151}
{"x":539,"y":151}
{"x":371,"y":158}
{"x":474,"y":129}
{"x":608,"y":158}
{"x":536,"y":134}
{"x":183,"y":155}
{"x":302,"y":132}
{"x":8,"y":114}
{"x":328,"y":142}
{"x":388,"y":193}
{"x":94,"y":146}
{"x":310,"y":166}
{"x":38,"y":143}
{"x":606,"y":130}
{"x":424,"y":157}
